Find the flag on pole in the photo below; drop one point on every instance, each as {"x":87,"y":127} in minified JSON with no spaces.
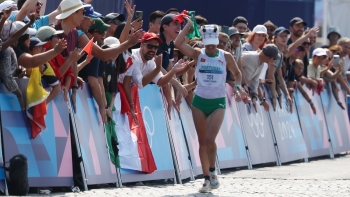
{"x":88,"y":49}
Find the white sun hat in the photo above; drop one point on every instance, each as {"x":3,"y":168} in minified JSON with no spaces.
{"x":68,"y":7}
{"x":260,"y":29}
{"x":111,"y":42}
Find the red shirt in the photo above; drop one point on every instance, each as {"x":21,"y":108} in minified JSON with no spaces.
{"x":56,"y":63}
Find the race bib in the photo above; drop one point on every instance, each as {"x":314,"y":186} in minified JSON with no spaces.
{"x":210,"y":76}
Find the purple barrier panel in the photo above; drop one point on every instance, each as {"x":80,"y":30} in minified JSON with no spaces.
{"x":191,"y":136}
{"x":289,"y":138}
{"x":230,"y":142}
{"x":313,"y":125}
{"x":158,"y":139}
{"x":257,"y":129}
{"x":49,"y":154}
{"x":93,"y":145}
{"x":337,"y":120}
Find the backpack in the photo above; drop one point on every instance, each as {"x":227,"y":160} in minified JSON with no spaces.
{"x":18,"y":176}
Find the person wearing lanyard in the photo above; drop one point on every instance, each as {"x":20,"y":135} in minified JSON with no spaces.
{"x":209,"y":102}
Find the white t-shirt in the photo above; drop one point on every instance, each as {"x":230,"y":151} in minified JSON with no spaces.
{"x":346,"y":63}
{"x":252,"y":68}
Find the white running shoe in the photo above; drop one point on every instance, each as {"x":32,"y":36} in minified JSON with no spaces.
{"x":214,"y":182}
{"x":206,"y":187}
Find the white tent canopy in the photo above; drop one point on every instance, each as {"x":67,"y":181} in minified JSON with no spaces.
{"x":336,"y":14}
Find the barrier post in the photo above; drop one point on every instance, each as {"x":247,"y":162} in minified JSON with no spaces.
{"x":217,"y":165}
{"x":331,"y":153}
{"x":119,"y":181}
{"x":278,"y":162}
{"x":77,"y":143}
{"x":250,"y":166}
{"x":6,"y":190}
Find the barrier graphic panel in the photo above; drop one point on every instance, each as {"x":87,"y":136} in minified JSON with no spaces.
{"x":257,"y":129}
{"x":179,"y":144}
{"x":313,"y":125}
{"x":93,"y":145}
{"x":154,"y":119}
{"x":230,"y":142}
{"x":191,"y":136}
{"x":337,"y":120}
{"x":49,"y":154}
{"x":290,"y":141}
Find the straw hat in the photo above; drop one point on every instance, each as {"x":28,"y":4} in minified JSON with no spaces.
{"x":68,"y":7}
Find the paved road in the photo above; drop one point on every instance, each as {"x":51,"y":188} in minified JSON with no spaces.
{"x":321,"y":177}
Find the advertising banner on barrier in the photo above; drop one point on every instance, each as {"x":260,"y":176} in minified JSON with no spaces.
{"x":98,"y":167}
{"x":49,"y":154}
{"x":257,"y":129}
{"x":313,"y":125}
{"x":179,"y":144}
{"x":2,"y":170}
{"x":191,"y":136}
{"x":337,"y":120}
{"x":290,"y":141}
{"x":229,"y":141}
{"x":154,"y":120}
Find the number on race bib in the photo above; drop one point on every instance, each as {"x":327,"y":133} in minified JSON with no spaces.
{"x":210,"y":77}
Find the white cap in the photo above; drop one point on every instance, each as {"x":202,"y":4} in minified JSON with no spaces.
{"x":111,"y":42}
{"x":210,"y":34}
{"x":20,"y":24}
{"x":260,"y":29}
{"x":7,"y":4}
{"x":319,"y":52}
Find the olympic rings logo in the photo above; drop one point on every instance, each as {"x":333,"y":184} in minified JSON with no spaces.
{"x":149,"y":131}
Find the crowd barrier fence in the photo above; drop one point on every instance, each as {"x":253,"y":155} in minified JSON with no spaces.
{"x":246,"y":137}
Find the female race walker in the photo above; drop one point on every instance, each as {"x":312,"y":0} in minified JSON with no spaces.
{"x":209,"y":103}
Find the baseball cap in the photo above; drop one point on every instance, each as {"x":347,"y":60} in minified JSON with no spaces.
{"x":260,"y":29}
{"x":36,"y":42}
{"x":239,"y":19}
{"x":233,"y":31}
{"x":7,"y":4}
{"x":269,"y":24}
{"x":166,"y":20}
{"x":319,"y":52}
{"x":149,"y":36}
{"x":99,"y":25}
{"x":90,"y":12}
{"x":271,"y":50}
{"x":111,"y":42}
{"x":210,"y":34}
{"x":333,"y":30}
{"x":280,"y":30}
{"x":297,"y":20}
{"x":113,"y":16}
{"x":20,"y":24}
{"x":46,"y":32}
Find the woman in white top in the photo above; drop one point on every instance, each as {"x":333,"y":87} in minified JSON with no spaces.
{"x":208,"y":105}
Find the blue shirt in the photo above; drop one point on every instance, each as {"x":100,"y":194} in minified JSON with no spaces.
{"x":80,"y":33}
{"x":166,"y":50}
{"x":42,"y":21}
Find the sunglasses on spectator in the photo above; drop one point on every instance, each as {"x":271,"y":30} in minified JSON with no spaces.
{"x":222,"y":42}
{"x":271,"y":29}
{"x":336,"y":52}
{"x":115,"y":21}
{"x":307,"y":43}
{"x":150,"y":46}
{"x":299,"y":49}
{"x":241,"y":28}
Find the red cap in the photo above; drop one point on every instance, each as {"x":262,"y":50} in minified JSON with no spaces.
{"x":150,"y":36}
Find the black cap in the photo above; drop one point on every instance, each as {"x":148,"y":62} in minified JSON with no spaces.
{"x":112,"y":16}
{"x":271,"y":50}
{"x":166,"y":20}
{"x":239,"y":19}
{"x":297,"y":20}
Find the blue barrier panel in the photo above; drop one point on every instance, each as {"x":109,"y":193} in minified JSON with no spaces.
{"x":290,"y":141}
{"x":191,"y":136}
{"x":92,"y":139}
{"x":2,"y":170}
{"x":154,"y":119}
{"x":313,"y":125}
{"x":337,"y":120}
{"x":49,"y":154}
{"x":257,"y":129}
{"x":179,"y":144}
{"x":229,"y":141}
